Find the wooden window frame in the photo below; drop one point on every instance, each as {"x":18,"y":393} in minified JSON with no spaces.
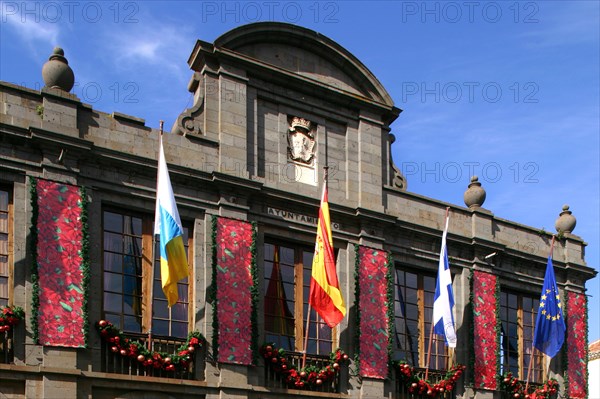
{"x":524,"y":343}
{"x":10,"y":243}
{"x":300,"y":304}
{"x":148,"y":268}
{"x":425,"y":314}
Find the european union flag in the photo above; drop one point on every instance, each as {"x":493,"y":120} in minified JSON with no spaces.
{"x":549,"y":325}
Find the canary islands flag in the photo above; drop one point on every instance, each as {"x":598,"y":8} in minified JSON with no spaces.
{"x":173,"y":259}
{"x":325,"y":295}
{"x":443,"y":300}
{"x":549,"y":325}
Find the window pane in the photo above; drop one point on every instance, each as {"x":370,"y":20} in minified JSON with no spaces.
{"x":3,"y":222}
{"x":132,"y":305}
{"x":131,"y":285}
{"x":3,"y":265}
{"x":113,"y":242}
{"x":114,"y":319}
{"x":113,"y":262}
{"x":179,"y":330}
{"x":3,"y":200}
{"x":132,"y":324}
{"x":3,"y":287}
{"x":113,"y":222}
{"x":112,"y":302}
{"x":112,"y":282}
{"x":179,"y":311}
{"x":4,"y":244}
{"x":182,"y":290}
{"x":160,"y":327}
{"x":161,"y":309}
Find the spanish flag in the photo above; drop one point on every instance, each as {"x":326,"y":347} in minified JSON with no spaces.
{"x":325,"y":295}
{"x":173,"y":259}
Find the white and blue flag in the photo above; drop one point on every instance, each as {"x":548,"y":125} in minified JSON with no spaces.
{"x":443,"y":300}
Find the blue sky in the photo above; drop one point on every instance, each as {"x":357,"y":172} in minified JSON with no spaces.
{"x":508,"y":91}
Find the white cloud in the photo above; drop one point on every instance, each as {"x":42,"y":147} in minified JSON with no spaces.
{"x":29,"y":28}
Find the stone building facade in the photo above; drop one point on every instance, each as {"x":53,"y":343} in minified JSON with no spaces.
{"x":273,"y":104}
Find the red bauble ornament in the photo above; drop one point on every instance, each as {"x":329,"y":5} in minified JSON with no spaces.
{"x":123,"y":352}
{"x":274,"y":360}
{"x":303,"y":374}
{"x":114,"y":349}
{"x":141,"y":358}
{"x":102,"y":323}
{"x":319,"y":381}
{"x":191,"y":348}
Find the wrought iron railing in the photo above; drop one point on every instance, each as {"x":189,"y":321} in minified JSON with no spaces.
{"x":433,"y":377}
{"x":6,"y":347}
{"x":277,"y":379}
{"x":116,"y":363}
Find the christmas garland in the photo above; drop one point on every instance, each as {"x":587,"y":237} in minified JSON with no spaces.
{"x":356,"y":306}
{"x":516,"y":389}
{"x":10,"y":316}
{"x":33,"y":236}
{"x":389,"y":275}
{"x":255,"y":295}
{"x":212,"y":294}
{"x":419,"y":386}
{"x":136,"y":350}
{"x":85,"y":264}
{"x":310,"y":376}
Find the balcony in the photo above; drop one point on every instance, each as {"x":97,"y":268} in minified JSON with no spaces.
{"x":275,"y":378}
{"x":6,"y":347}
{"x":434,"y":377}
{"x":114,"y":362}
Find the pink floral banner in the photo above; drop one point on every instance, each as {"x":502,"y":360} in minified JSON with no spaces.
{"x":235,"y":252}
{"x":485,"y":322}
{"x":373,"y":308}
{"x":577,"y":345}
{"x":61,"y":313}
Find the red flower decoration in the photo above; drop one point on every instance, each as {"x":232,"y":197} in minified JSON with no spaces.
{"x":60,"y":233}
{"x":576,"y":344}
{"x":485,"y":347}
{"x":373,"y":309}
{"x":234,"y":299}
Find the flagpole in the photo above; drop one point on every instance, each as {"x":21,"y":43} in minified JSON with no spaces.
{"x":151,"y":293}
{"x":432,"y":324}
{"x":533,"y":340}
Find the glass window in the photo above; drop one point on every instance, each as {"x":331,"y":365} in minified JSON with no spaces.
{"x":517,"y":315}
{"x":5,"y":217}
{"x":413,"y":309}
{"x":287,"y":272}
{"x":127,"y":278}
